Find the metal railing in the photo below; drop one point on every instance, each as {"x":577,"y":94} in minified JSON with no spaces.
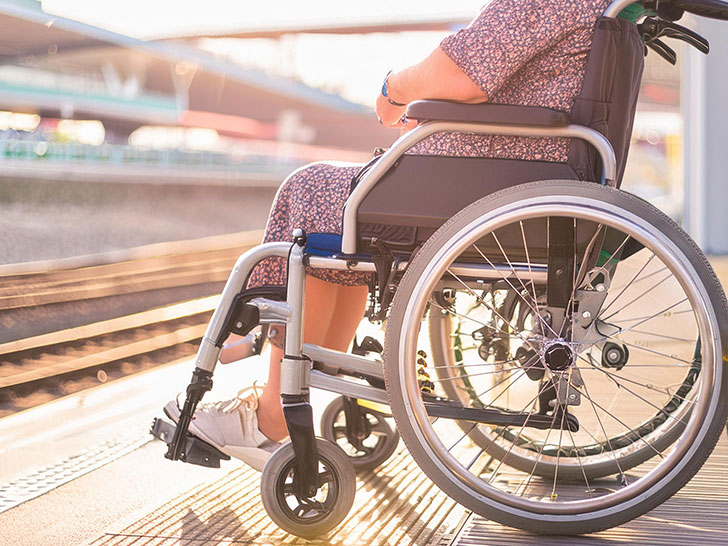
{"x":34,"y":149}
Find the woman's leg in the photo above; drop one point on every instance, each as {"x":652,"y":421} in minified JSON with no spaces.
{"x":312,"y":199}
{"x":332,"y":314}
{"x":351,"y":302}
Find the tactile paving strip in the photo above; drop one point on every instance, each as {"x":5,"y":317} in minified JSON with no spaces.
{"x":697,"y":514}
{"x":396,"y":505}
{"x":49,"y":477}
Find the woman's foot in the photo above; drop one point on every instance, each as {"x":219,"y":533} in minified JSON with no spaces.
{"x":232,"y":427}
{"x":271,"y":421}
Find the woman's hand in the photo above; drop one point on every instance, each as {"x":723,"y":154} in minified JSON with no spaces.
{"x":388,"y":114}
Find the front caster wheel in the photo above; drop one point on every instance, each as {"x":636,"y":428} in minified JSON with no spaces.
{"x":375,"y":441}
{"x":308,"y":517}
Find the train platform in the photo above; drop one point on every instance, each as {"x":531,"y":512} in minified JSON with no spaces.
{"x":83,"y":470}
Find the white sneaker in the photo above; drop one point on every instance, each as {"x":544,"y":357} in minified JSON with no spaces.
{"x":232,"y":427}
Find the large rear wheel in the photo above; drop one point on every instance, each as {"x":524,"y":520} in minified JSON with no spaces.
{"x":577,"y":338}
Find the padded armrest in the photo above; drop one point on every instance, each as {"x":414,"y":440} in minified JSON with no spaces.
{"x":503,"y":114}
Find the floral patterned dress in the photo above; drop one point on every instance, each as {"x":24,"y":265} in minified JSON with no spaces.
{"x":519,"y":52}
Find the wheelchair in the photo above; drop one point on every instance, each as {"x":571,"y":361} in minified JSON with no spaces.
{"x":555,"y":348}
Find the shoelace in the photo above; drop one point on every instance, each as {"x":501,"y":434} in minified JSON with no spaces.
{"x":227,"y":406}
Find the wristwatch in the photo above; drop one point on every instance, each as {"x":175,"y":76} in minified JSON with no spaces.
{"x":384,"y":92}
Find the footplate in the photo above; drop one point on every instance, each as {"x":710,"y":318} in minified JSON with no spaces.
{"x":195,"y":451}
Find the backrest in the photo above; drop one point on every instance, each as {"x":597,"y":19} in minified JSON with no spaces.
{"x":416,"y":196}
{"x":608,"y":97}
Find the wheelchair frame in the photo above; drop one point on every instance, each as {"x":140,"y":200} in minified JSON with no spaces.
{"x":241,"y":314}
{"x":295,"y":373}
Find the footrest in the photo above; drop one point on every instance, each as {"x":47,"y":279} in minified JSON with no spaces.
{"x":196,"y":451}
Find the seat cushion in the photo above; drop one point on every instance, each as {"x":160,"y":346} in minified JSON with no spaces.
{"x":425,"y":190}
{"x":421,"y":193}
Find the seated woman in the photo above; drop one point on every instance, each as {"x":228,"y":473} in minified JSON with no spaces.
{"x":514,"y":52}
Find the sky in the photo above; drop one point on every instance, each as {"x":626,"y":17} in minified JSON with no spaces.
{"x":350,"y":65}
{"x":145,"y":18}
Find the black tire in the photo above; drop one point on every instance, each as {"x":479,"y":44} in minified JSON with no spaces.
{"x":382,"y":439}
{"x":339,"y":484}
{"x":704,"y":417}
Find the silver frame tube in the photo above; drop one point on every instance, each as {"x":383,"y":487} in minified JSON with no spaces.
{"x":295,"y":297}
{"x":483,"y":271}
{"x":345,"y":361}
{"x":332,"y":383}
{"x":208,"y":352}
{"x":405,"y":142}
{"x":617,"y":6}
{"x":295,"y":368}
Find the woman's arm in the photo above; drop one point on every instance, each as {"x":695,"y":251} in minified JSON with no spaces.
{"x":435,"y":77}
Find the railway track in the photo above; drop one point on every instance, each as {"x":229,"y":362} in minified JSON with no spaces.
{"x":63,"y":360}
{"x":154,"y":267}
{"x":43,"y":367}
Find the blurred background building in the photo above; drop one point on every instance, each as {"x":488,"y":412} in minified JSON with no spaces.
{"x":178,"y":120}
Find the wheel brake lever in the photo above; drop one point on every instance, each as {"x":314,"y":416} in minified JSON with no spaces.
{"x":689,"y":37}
{"x":663,"y":50}
{"x":652,"y":29}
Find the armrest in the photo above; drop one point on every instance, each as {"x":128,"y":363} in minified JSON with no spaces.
{"x":503,"y":114}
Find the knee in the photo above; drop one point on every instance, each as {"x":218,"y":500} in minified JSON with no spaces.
{"x":299,"y":176}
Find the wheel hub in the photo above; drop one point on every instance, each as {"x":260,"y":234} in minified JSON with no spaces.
{"x":558,"y":356}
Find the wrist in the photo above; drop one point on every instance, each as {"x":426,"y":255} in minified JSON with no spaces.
{"x":387,"y":92}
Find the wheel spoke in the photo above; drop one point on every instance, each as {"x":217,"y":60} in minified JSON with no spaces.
{"x":461,"y":376}
{"x":521,"y":374}
{"x":604,"y":431}
{"x":462,"y":364}
{"x":538,"y":457}
{"x":525,"y":340}
{"x":616,"y":377}
{"x":664,"y":336}
{"x":500,"y":331}
{"x":621,"y":386}
{"x":642,"y":321}
{"x":653,"y":351}
{"x":464,"y":435}
{"x":630,"y":283}
{"x":637,"y":298}
{"x":515,"y":290}
{"x":652,"y":316}
{"x":618,"y":420}
{"x":288,"y":489}
{"x":578,"y":460}
{"x":530,"y":271}
{"x":326,"y":476}
{"x":530,"y":405}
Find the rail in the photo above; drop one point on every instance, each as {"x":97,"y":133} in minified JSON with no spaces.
{"x":40,"y":368}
